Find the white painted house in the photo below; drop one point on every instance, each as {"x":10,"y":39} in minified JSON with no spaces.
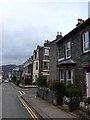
{"x":35,"y":64}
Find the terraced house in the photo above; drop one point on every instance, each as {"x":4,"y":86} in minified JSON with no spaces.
{"x":44,"y":59}
{"x":53,"y":70}
{"x":74,"y":57}
{"x":36,"y":64}
{"x":28,"y":68}
{"x":41,"y":61}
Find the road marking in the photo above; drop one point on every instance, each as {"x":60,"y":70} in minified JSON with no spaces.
{"x":20,"y":92}
{"x":28,"y":108}
{"x":23,"y":92}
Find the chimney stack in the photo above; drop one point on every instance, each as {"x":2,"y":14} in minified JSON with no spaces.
{"x":80,"y":21}
{"x":59,"y":35}
{"x":46,"y":43}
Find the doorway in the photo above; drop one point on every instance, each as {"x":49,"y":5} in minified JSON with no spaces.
{"x":88,"y":82}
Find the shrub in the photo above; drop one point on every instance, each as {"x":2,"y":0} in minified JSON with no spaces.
{"x":42,"y":81}
{"x":28,"y":81}
{"x":59,"y":89}
{"x":34,"y":83}
{"x":72,"y":90}
{"x":17,"y":82}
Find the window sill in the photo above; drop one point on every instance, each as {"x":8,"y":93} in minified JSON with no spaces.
{"x":68,"y":58}
{"x":85,"y":52}
{"x":46,"y":55}
{"x":61,"y":59}
{"x":45,"y":70}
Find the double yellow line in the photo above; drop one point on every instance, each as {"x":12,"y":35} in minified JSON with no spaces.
{"x":28,"y":108}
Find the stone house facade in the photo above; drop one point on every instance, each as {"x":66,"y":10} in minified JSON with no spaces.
{"x":74,"y":57}
{"x":44,"y":59}
{"x":41,"y":61}
{"x":53,"y":70}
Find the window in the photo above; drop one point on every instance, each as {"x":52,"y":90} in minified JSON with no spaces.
{"x":86,"y":42}
{"x":62,"y":76}
{"x":45,"y":65}
{"x":69,"y":76}
{"x":61,"y":51}
{"x":68,"y":50}
{"x":36,"y":77}
{"x":46,"y":52}
{"x":36,"y":65}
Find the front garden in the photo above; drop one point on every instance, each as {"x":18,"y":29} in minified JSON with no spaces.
{"x":58,"y":93}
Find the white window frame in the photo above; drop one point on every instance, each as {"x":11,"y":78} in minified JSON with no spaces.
{"x":67,"y":77}
{"x":36,"y":65}
{"x":60,"y":59}
{"x":85,"y":38}
{"x":68,"y":49}
{"x":46,"y":51}
{"x":36,"y":76}
{"x":44,"y":66}
{"x":61,"y":76}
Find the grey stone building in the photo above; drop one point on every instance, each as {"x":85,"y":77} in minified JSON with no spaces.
{"x":44,"y":59}
{"x":53,"y":70}
{"x":74,"y":57}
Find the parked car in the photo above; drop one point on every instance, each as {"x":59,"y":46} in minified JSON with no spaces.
{"x":6,"y":81}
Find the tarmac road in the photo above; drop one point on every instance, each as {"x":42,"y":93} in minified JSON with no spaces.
{"x":11,"y":105}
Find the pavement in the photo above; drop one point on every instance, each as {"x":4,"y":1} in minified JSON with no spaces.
{"x":47,"y":110}
{"x":27,"y":86}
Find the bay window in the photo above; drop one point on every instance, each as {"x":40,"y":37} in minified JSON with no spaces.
{"x":62,"y":76}
{"x":69,"y":74}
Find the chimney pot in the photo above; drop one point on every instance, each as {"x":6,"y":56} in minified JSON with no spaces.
{"x":60,"y":33}
{"x":57,"y":33}
{"x":80,"y":21}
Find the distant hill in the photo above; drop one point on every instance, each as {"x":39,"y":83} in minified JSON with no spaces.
{"x":7,"y":68}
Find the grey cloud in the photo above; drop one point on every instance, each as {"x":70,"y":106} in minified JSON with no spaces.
{"x":26,"y":25}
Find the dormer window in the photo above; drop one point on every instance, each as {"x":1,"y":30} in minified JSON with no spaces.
{"x":68,"y":50}
{"x":86,"y":41}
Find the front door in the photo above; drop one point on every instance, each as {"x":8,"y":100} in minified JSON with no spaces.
{"x":88,"y":83}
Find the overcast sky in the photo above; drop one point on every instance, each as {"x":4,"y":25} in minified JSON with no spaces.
{"x":24,"y":24}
